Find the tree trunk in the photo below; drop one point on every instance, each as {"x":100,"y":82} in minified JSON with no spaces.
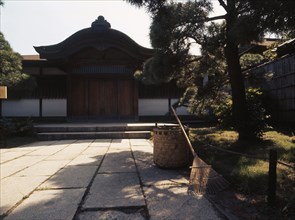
{"x":239,"y":108}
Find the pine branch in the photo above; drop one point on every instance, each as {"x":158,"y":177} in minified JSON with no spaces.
{"x":216,"y":18}
{"x":222,"y":3}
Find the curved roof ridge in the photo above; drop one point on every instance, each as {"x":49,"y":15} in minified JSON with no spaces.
{"x":99,"y":35}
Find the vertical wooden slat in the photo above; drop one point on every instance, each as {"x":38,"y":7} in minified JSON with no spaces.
{"x":126,"y":97}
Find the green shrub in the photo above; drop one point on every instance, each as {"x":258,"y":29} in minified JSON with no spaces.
{"x":224,"y":114}
{"x":257,"y":122}
{"x":17,"y":127}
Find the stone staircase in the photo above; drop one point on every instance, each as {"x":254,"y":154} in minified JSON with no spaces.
{"x":94,"y":131}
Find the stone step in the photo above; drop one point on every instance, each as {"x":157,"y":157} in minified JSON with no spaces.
{"x":94,"y":135}
{"x":93,"y":128}
{"x":65,"y":131}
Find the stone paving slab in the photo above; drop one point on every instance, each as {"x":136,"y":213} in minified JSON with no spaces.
{"x":101,"y":143}
{"x":30,"y":147}
{"x":173,"y":203}
{"x":43,"y":168}
{"x":95,"y":151}
{"x":70,"y":177}
{"x":140,"y":142}
{"x":10,"y":155}
{"x":120,"y":143}
{"x":49,"y":204}
{"x":153,"y":175}
{"x":107,"y":215}
{"x":68,"y":153}
{"x":19,"y":164}
{"x":47,"y":150}
{"x":156,"y":176}
{"x":86,"y":160}
{"x":118,"y":162}
{"x":115,"y":190}
{"x":14,"y":189}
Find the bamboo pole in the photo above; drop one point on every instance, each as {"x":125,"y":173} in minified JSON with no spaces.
{"x":183,"y":131}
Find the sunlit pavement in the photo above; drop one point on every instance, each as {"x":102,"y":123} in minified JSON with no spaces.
{"x":94,"y":179}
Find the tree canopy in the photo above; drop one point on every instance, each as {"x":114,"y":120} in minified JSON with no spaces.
{"x":177,"y":26}
{"x":11,"y":74}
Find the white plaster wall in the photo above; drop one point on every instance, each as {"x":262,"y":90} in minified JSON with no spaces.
{"x":152,"y":107}
{"x":180,"y":110}
{"x":22,"y":107}
{"x":54,"y":107}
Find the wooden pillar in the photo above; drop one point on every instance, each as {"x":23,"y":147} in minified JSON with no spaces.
{"x":0,"y":107}
{"x":3,"y":95}
{"x":40,"y":98}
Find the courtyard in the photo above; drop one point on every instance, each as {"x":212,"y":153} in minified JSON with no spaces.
{"x":94,"y":179}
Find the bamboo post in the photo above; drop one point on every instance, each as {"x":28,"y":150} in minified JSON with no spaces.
{"x":272,"y":177}
{"x":184,"y":133}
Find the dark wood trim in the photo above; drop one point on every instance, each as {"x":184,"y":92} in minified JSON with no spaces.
{"x":86,"y":101}
{"x":69,"y":96}
{"x":40,"y":108}
{"x":40,"y":99}
{"x":0,"y":107}
{"x":135,"y":98}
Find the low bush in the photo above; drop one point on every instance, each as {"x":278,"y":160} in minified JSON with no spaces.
{"x":17,"y":126}
{"x":257,"y":121}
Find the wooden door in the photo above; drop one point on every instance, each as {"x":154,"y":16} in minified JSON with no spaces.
{"x":78,"y":103}
{"x":126,"y":97}
{"x":101,"y":98}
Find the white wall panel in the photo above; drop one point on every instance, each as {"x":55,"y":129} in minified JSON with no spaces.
{"x":152,"y":107}
{"x":54,"y":107}
{"x":22,"y":108}
{"x":180,"y":110}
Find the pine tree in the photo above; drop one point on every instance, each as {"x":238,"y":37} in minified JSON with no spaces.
{"x":11,"y":74}
{"x":177,"y":26}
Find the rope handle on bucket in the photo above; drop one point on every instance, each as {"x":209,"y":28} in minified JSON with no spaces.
{"x":184,"y":133}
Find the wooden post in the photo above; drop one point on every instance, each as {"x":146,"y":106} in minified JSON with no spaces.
{"x":272,"y":177}
{"x":169,"y":107}
{"x":0,"y":108}
{"x":3,"y":95}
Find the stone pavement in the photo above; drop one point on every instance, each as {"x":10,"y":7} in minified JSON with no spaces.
{"x":94,"y":179}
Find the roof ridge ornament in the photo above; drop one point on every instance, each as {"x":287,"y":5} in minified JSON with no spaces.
{"x":100,"y":23}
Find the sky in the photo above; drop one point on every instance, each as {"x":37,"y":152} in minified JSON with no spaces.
{"x":28,"y":23}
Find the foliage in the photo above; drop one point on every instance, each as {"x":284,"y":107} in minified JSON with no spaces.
{"x":11,"y":74}
{"x":257,"y":116}
{"x":249,"y":60}
{"x":249,"y":175}
{"x":224,"y":115}
{"x":177,"y":26}
{"x":17,"y":127}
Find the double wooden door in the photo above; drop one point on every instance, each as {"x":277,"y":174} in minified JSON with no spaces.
{"x":102,"y":98}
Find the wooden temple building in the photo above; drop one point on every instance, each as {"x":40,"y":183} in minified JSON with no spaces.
{"x":90,"y":76}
